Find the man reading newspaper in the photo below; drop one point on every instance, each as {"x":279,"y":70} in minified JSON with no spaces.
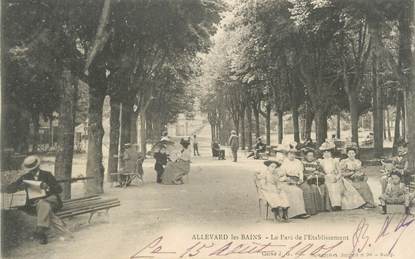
{"x":42,"y":197}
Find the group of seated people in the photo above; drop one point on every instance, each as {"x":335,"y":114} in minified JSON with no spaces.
{"x":297,"y":187}
{"x":172,"y":166}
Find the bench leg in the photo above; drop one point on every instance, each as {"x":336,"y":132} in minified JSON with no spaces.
{"x":58,"y":224}
{"x":90,"y":217}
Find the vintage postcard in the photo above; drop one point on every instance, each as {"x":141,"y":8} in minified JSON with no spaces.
{"x":207,"y":129}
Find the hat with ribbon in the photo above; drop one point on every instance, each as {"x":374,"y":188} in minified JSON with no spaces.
{"x":30,"y":163}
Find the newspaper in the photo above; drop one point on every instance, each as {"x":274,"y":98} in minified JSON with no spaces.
{"x":33,"y":189}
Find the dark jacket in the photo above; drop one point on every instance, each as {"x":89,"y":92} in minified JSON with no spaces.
{"x":261,"y":147}
{"x":234,"y":142}
{"x":161,"y":159}
{"x":44,"y":176}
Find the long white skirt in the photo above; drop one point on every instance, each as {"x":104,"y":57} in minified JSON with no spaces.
{"x":295,"y":199}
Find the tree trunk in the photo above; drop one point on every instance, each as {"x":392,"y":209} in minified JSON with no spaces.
{"x":309,"y":117}
{"x":133,"y":127}
{"x":143,"y":137}
{"x":406,"y":22}
{"x":280,"y":127}
{"x":354,"y":115}
{"x":388,"y":121}
{"x":397,"y":131}
{"x":403,"y":113}
{"x":212,"y":132}
{"x":268,"y":125}
{"x":126,"y":123}
{"x":338,"y":128}
{"x":114,"y":139}
{"x":296,"y":125}
{"x":242,"y":116}
{"x":256,"y":116}
{"x":51,"y":137}
{"x":249,"y":117}
{"x":321,"y":126}
{"x":94,"y":166}
{"x":35,"y":141}
{"x":65,"y":147}
{"x":377,"y":110}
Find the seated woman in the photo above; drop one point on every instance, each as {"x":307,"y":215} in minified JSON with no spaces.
{"x":260,"y":147}
{"x":315,"y":191}
{"x":217,"y":152}
{"x":341,"y":193}
{"x":350,"y":169}
{"x":289,"y":176}
{"x":268,"y":189}
{"x":395,"y":193}
{"x":178,"y":168}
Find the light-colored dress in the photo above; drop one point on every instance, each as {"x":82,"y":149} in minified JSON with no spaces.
{"x":333,"y":182}
{"x":341,"y":192}
{"x":176,"y":170}
{"x":269,"y":190}
{"x":351,"y":171}
{"x":287,"y":175}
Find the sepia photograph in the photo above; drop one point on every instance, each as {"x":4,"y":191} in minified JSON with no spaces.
{"x":203,"y":129}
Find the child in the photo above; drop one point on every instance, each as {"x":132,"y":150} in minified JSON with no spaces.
{"x":400,"y":163}
{"x":161,"y":162}
{"x":268,"y":190}
{"x":395,"y":193}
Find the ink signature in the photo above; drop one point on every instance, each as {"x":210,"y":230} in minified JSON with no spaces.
{"x":361,"y":239}
{"x":155,"y":248}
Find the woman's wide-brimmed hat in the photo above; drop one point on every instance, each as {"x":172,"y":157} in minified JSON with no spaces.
{"x":30,"y":163}
{"x":281,"y":148}
{"x":396,"y":172}
{"x":307,"y":150}
{"x":352,"y":146}
{"x":327,"y":146}
{"x":269,"y":162}
{"x":233,"y":132}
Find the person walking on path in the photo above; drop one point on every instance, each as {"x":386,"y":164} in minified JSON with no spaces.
{"x":234,"y":143}
{"x":195,"y":146}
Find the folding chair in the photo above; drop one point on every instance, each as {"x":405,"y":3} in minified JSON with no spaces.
{"x":260,"y":199}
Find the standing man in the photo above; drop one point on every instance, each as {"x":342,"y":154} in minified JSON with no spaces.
{"x":195,"y":146}
{"x":43,"y":207}
{"x":234,"y":143}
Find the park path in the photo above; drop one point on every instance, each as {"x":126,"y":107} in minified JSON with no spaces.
{"x":219,"y":197}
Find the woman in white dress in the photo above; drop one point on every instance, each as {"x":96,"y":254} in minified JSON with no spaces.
{"x":351,"y":169}
{"x":270,"y":191}
{"x":341,"y":193}
{"x":289,"y":176}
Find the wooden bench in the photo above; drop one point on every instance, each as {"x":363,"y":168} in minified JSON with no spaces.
{"x":90,"y":204}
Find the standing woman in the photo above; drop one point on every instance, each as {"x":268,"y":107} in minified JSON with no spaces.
{"x":290,"y":175}
{"x":351,"y":171}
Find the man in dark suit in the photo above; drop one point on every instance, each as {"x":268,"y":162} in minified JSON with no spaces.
{"x":43,"y":207}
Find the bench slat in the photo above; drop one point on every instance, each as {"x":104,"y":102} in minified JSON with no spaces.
{"x":89,"y":210}
{"x":79,"y":199}
{"x":87,"y":206}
